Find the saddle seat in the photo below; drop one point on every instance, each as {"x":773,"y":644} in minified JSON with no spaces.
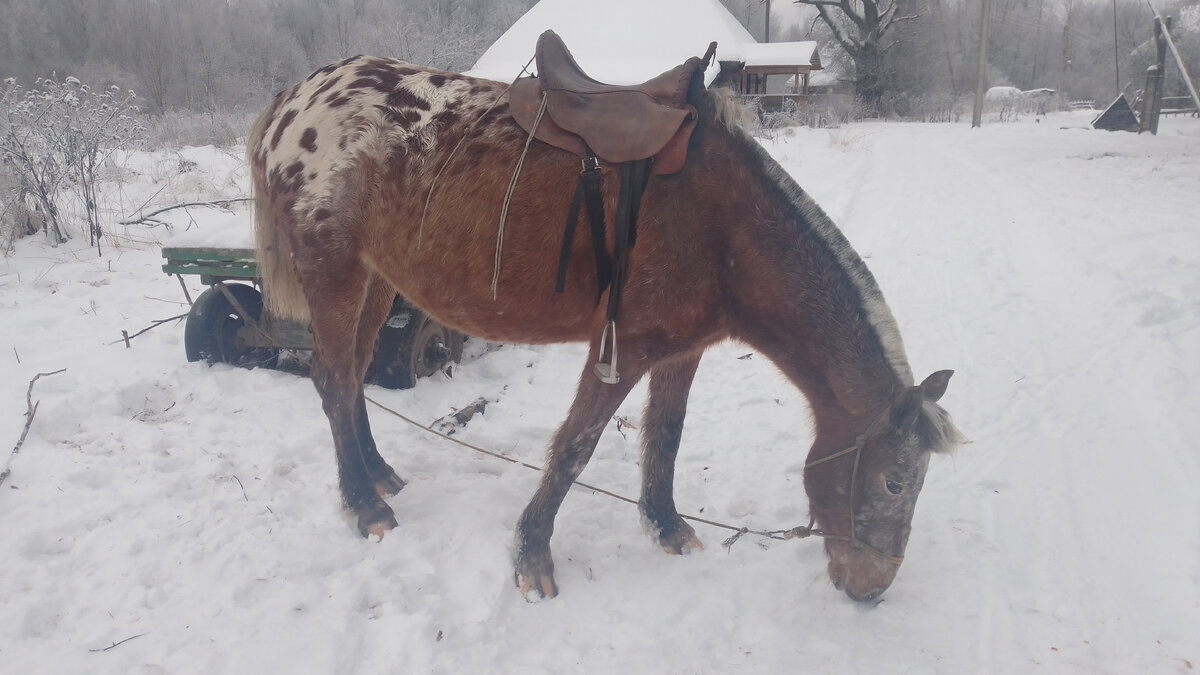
{"x":620,"y":123}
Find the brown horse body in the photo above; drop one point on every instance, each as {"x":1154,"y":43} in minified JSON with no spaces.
{"x":375,"y":176}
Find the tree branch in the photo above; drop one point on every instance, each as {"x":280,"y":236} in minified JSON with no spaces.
{"x":115,"y":644}
{"x":897,"y":19}
{"x":30,"y":410}
{"x":126,"y":337}
{"x":215,"y":204}
{"x":842,"y":5}
{"x":849,"y":44}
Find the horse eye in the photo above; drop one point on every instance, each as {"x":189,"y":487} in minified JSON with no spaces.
{"x":893,"y":487}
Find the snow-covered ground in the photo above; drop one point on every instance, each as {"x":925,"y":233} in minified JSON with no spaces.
{"x":195,"y":509}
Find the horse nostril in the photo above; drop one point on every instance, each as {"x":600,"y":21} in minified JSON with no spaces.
{"x":865,"y":597}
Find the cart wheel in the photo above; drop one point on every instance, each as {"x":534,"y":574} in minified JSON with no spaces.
{"x":211,"y":333}
{"x":411,"y":346}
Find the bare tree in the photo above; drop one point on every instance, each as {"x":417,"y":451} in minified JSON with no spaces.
{"x":55,"y":136}
{"x":863,"y":28}
{"x":28,"y":143}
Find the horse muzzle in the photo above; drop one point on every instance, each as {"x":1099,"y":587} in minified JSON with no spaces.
{"x":861,"y":574}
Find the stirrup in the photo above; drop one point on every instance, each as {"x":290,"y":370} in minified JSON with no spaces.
{"x":607,"y":372}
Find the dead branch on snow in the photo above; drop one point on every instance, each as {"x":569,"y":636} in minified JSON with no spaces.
{"x":30,"y":411}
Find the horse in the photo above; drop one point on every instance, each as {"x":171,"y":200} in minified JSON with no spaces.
{"x":374,"y":176}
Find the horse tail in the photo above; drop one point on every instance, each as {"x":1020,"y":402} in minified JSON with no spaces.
{"x":282,"y":293}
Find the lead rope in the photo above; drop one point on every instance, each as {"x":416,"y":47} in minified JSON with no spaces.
{"x":512,"y":186}
{"x":799,"y":532}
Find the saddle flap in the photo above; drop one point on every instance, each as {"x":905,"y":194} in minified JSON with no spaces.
{"x":674,"y":154}
{"x":525,"y":98}
{"x":624,"y":127}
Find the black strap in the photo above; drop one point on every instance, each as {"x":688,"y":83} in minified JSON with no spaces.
{"x":594,"y":198}
{"x":634,"y":177}
{"x":564,"y":256}
{"x":587,"y":191}
{"x":609,"y":274}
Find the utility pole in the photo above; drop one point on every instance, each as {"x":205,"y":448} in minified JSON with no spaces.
{"x":981,"y":74}
{"x":1152,"y":94}
{"x":1116,"y":55}
{"x":1037,"y":44}
{"x":767,"y":37}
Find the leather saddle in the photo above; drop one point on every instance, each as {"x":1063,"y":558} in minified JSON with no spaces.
{"x":620,"y":123}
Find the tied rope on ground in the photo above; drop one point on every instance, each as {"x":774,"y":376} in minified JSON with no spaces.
{"x":798,"y":532}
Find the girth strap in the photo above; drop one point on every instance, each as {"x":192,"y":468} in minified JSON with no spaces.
{"x":610,"y":273}
{"x":634,"y":177}
{"x":588,"y":190}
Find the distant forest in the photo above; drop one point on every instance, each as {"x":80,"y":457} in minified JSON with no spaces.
{"x":216,"y":55}
{"x":210,"y":56}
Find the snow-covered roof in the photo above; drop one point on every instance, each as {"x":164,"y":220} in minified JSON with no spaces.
{"x":630,"y":41}
{"x":781,"y":54}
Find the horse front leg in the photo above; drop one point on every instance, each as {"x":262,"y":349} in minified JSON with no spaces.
{"x":572,"y":447}
{"x":662,"y":429}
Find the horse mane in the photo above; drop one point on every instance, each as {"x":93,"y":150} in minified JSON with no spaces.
{"x":935,"y":429}
{"x":720,"y":108}
{"x":728,"y":111}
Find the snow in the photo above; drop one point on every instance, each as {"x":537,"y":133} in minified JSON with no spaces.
{"x":620,"y":41}
{"x":781,"y":54}
{"x":195,"y":509}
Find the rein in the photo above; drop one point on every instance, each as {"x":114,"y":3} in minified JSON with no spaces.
{"x":798,"y":532}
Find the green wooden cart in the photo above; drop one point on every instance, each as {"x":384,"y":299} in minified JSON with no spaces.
{"x":227,"y":323}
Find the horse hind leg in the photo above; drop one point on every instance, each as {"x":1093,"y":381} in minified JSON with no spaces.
{"x":662,"y":429}
{"x":376,"y":307}
{"x":339,"y":290}
{"x":572,"y":447}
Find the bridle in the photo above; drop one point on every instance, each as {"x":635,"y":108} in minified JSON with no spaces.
{"x":852,"y":539}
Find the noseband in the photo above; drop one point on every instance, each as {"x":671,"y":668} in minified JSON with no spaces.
{"x":852,"y":539}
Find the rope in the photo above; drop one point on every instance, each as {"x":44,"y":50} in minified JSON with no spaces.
{"x":799,"y":532}
{"x":466,"y":134}
{"x":512,"y":186}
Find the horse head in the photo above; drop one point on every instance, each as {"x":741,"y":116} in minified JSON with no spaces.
{"x":863,"y":496}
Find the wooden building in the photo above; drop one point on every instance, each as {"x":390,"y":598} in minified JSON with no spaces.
{"x":773,"y":72}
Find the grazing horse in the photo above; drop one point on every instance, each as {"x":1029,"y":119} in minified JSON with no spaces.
{"x":375,"y":176}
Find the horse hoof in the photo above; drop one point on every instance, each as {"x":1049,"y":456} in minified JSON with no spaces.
{"x":693,"y":545}
{"x":679,"y":538}
{"x":377,"y":531}
{"x":375,"y":525}
{"x":534,"y":590}
{"x":389,"y":486}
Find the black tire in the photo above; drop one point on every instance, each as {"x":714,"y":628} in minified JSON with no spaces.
{"x":211,"y":333}
{"x":411,"y":346}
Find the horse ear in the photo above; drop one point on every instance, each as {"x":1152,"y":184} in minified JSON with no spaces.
{"x":905,"y":409}
{"x":934,"y":386}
